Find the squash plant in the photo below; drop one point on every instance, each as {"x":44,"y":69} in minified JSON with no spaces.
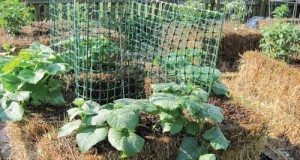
{"x":30,"y":78}
{"x":180,"y":108}
{"x":93,"y":50}
{"x":182,"y":65}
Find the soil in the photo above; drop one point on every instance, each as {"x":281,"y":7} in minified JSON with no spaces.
{"x":37,"y":31}
{"x":110,"y":85}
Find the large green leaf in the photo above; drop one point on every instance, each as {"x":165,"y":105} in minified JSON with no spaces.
{"x":168,"y":115}
{"x":133,"y":107}
{"x":68,"y":128}
{"x":79,"y":102}
{"x":14,"y":112}
{"x":91,"y":107}
{"x":126,"y":141}
{"x":73,"y":112}
{"x":162,"y":87}
{"x":208,"y":157}
{"x":120,"y":118}
{"x":122,"y":102}
{"x":89,"y":136}
{"x":147,"y":106}
{"x":193,"y":128}
{"x":216,"y":138}
{"x":41,"y":48}
{"x":211,"y":112}
{"x":97,"y":120}
{"x":31,"y":76}
{"x":23,"y":55}
{"x":219,"y":89}
{"x":57,"y":68}
{"x":54,"y":84}
{"x":200,"y":93}
{"x":189,"y":149}
{"x":18,"y":96}
{"x":39,"y":93}
{"x":193,"y":106}
{"x":173,"y":128}
{"x":55,"y":98}
{"x":11,"y":82}
{"x":165,"y":101}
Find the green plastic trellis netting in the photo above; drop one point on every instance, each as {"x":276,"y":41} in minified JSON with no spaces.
{"x":118,"y":48}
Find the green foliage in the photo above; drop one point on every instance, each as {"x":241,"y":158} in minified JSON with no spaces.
{"x":116,"y":121}
{"x":180,"y":108}
{"x":190,"y":149}
{"x":281,"y":11}
{"x":30,"y":77}
{"x":100,"y":49}
{"x":6,"y":47}
{"x":236,"y":10}
{"x":14,"y":15}
{"x":280,"y":40}
{"x":193,"y":11}
{"x":208,"y":157}
{"x":183,"y":65}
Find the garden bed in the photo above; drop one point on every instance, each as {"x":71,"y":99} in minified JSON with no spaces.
{"x":37,"y":31}
{"x":271,"y":88}
{"x":36,"y":137}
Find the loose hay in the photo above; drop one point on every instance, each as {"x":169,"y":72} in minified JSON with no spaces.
{"x":272,"y":89}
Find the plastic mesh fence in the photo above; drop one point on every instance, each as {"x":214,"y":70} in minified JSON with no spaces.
{"x":118,"y":48}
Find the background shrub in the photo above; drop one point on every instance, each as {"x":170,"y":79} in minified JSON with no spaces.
{"x":14,"y":14}
{"x":280,"y":40}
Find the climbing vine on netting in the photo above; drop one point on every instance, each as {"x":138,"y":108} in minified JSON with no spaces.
{"x":117,"y":49}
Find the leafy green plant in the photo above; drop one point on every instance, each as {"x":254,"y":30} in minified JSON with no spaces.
{"x":183,"y":65}
{"x":281,"y":11}
{"x":177,"y":105}
{"x":117,"y":122}
{"x":100,"y":49}
{"x":6,"y":47}
{"x":180,"y":108}
{"x":30,"y":78}
{"x":280,"y":40}
{"x":236,"y":10}
{"x":193,"y":11}
{"x":14,"y":15}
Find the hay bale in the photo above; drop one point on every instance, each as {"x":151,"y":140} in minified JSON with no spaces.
{"x":236,"y":39}
{"x":272,"y":89}
{"x":272,"y":81}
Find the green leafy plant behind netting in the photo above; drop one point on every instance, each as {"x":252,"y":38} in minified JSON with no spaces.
{"x":118,"y":48}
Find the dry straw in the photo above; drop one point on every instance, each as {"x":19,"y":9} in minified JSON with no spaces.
{"x":272,"y":89}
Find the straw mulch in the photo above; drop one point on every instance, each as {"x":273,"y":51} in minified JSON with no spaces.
{"x":272,"y":89}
